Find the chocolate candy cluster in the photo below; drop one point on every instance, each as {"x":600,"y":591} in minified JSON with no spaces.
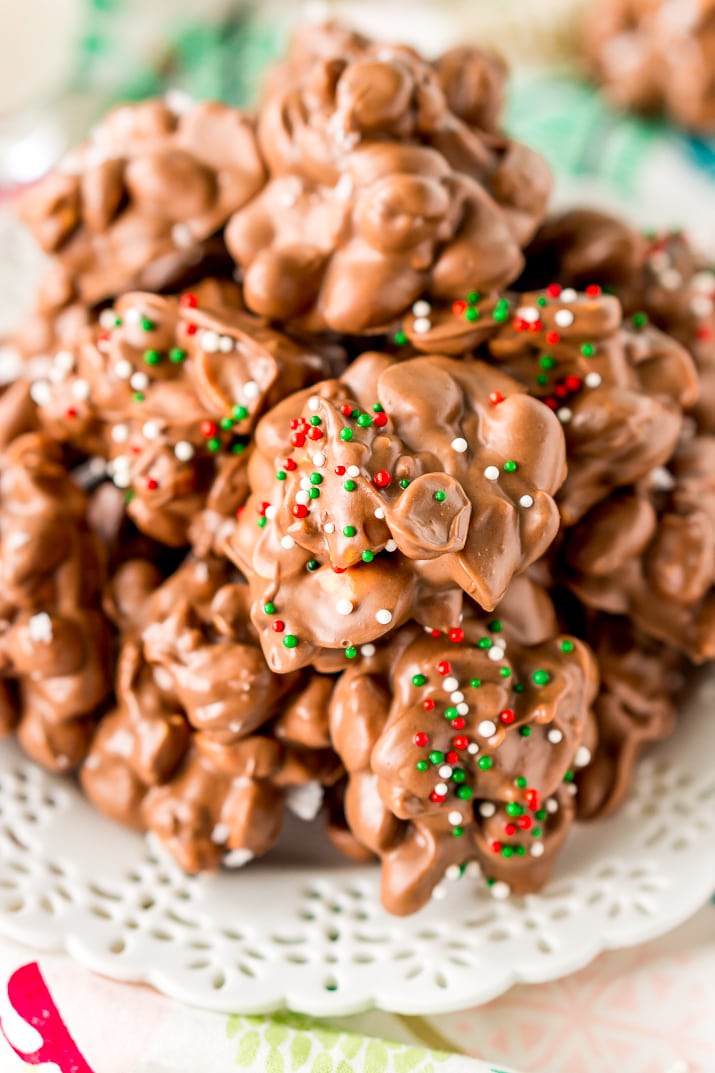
{"x":342,"y":483}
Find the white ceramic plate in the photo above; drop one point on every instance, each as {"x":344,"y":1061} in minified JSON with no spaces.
{"x":305,"y":930}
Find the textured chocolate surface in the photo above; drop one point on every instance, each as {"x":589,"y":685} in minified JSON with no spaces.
{"x":383,"y":495}
{"x":656,"y":55}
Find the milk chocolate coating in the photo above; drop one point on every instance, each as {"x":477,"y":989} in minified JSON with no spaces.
{"x":54,"y":641}
{"x":661,"y":275}
{"x":169,"y":392}
{"x":636,"y":706}
{"x":656,"y":55}
{"x":381,"y":496}
{"x":132,"y":207}
{"x":649,"y":553}
{"x":379,"y":192}
{"x":486,"y":783}
{"x":187,"y":753}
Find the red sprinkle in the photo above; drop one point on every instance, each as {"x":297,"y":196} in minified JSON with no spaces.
{"x":437,"y":798}
{"x":300,"y":510}
{"x":460,"y":742}
{"x":552,"y":338}
{"x":444,"y":667}
{"x":279,"y":625}
{"x":340,"y":470}
{"x":290,"y":464}
{"x":298,"y":439}
{"x":339,"y":569}
{"x":380,"y":420}
{"x":151,"y":484}
{"x":573,"y":383}
{"x":452,"y":758}
{"x":435,"y":633}
{"x":315,"y":433}
{"x":428,"y":704}
{"x":458,"y":307}
{"x":208,"y":429}
{"x":456,"y":635}
{"x":554,"y":290}
{"x":509,"y":829}
{"x":524,"y":822}
{"x":188,"y":300}
{"x":459,"y":723}
{"x":191,"y":329}
{"x":496,"y":847}
{"x":507,"y":716}
{"x":346,"y":410}
{"x":593,"y":290}
{"x":495,"y":397}
{"x":71,"y":411}
{"x":382,"y":478}
{"x":420,"y":739}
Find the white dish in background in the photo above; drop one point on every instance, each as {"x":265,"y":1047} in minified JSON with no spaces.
{"x":305,"y":930}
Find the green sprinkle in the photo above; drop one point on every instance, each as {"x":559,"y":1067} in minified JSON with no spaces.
{"x":226,"y":423}
{"x":471,"y":314}
{"x":240,"y":413}
{"x":147,"y":325}
{"x":400,"y":338}
{"x":281,"y":475}
{"x":346,"y":434}
{"x":510,"y":466}
{"x":349,"y":531}
{"x":536,"y":833}
{"x":541,"y":814}
{"x":364,"y":420}
{"x":312,"y":564}
{"x":504,"y":672}
{"x":473,"y":296}
{"x":213,"y":444}
{"x":315,"y":420}
{"x":419,"y":680}
{"x":588,"y":350}
{"x":129,"y":496}
{"x":152,"y":357}
{"x":316,"y":478}
{"x":464,"y":793}
{"x":269,"y":608}
{"x":542,"y":300}
{"x":451,"y":713}
{"x":422,"y":765}
{"x":475,"y":683}
{"x":520,"y":782}
{"x":262,"y":523}
{"x":542,"y":379}
{"x":238,"y":448}
{"x":378,"y":408}
{"x":440,"y":496}
{"x":541,"y":678}
{"x":458,"y":775}
{"x":404,"y":483}
{"x":520,"y":851}
{"x":176,"y":355}
{"x":500,"y":314}
{"x":484,"y":642}
{"x":290,"y":640}
{"x":640,"y":320}
{"x":519,"y":688}
{"x":567,"y":646}
{"x":138,"y":396}
{"x":457,"y":832}
{"x":367,"y":556}
{"x":569,"y":776}
{"x":485,"y":763}
{"x":495,"y":626}
{"x":313,"y":493}
{"x":525,"y":732}
{"x":507,"y":851}
{"x":546,"y":361}
{"x":513,"y":809}
{"x":436,"y":757}
{"x":350,"y":486}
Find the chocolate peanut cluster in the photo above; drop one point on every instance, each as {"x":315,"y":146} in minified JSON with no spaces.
{"x":320,"y":496}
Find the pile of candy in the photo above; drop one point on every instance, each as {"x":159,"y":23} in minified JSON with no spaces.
{"x":321,"y":494}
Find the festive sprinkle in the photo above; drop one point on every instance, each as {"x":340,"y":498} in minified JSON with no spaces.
{"x":351,"y":652}
{"x":541,"y":678}
{"x":491,"y":473}
{"x":440,"y":496}
{"x":367,"y":556}
{"x":640,"y":320}
{"x":510,"y":467}
{"x":349,"y":531}
{"x":485,"y":763}
{"x":290,"y":640}
{"x":383,"y":616}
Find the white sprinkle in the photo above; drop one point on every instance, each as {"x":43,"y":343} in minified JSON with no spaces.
{"x":120,"y":433}
{"x":551,"y":805}
{"x":473,"y":871}
{"x":305,"y":485}
{"x":122,"y":462}
{"x":313,"y":402}
{"x":368,"y":650}
{"x":64,"y":359}
{"x":421,"y":325}
{"x":593,"y":380}
{"x":526,"y":501}
{"x":122,"y":478}
{"x":671,"y":279}
{"x":459,"y":445}
{"x":500,"y":642}
{"x":568,"y":294}
{"x":184,"y":451}
{"x":473,"y":748}
{"x":564,"y":318}
{"x":450,"y":684}
{"x":391,"y":545}
{"x":343,"y":188}
{"x":384,"y":616}
{"x":237,"y":858}
{"x":704,"y":282}
{"x":463,"y":708}
{"x":287,"y":541}
{"x":40,"y":392}
{"x":302,"y":497}
{"x":439,"y":893}
{"x":182,"y":236}
{"x":150,"y":430}
{"x":701,"y":305}
{"x":225,"y":344}
{"x":500,"y":890}
{"x":107,"y":319}
{"x":487,"y":809}
{"x":123,"y":369}
{"x":329,"y":528}
{"x":441,"y":788}
{"x":455,"y":818}
{"x":662,"y":479}
{"x":17,"y":540}
{"x":305,"y":801}
{"x":379,"y":513}
{"x":251,"y":389}
{"x":495,"y":653}
{"x":133,"y":315}
{"x":487,"y":728}
{"x":445,"y":772}
{"x":344,"y":607}
{"x":572,"y":789}
{"x":582,"y":757}
{"x":318,"y":459}
{"x":139,"y":381}
{"x":491,"y":473}
{"x":270,"y":513}
{"x":453,"y":872}
{"x":457,"y":696}
{"x":104,"y":346}
{"x":353,"y":471}
{"x":528,"y":313}
{"x":554,"y":736}
{"x":40,"y":627}
{"x":564,"y":415}
{"x":220,"y":833}
{"x":422,"y":308}
{"x":209,"y":341}
{"x":537,"y":849}
{"x":81,"y":389}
